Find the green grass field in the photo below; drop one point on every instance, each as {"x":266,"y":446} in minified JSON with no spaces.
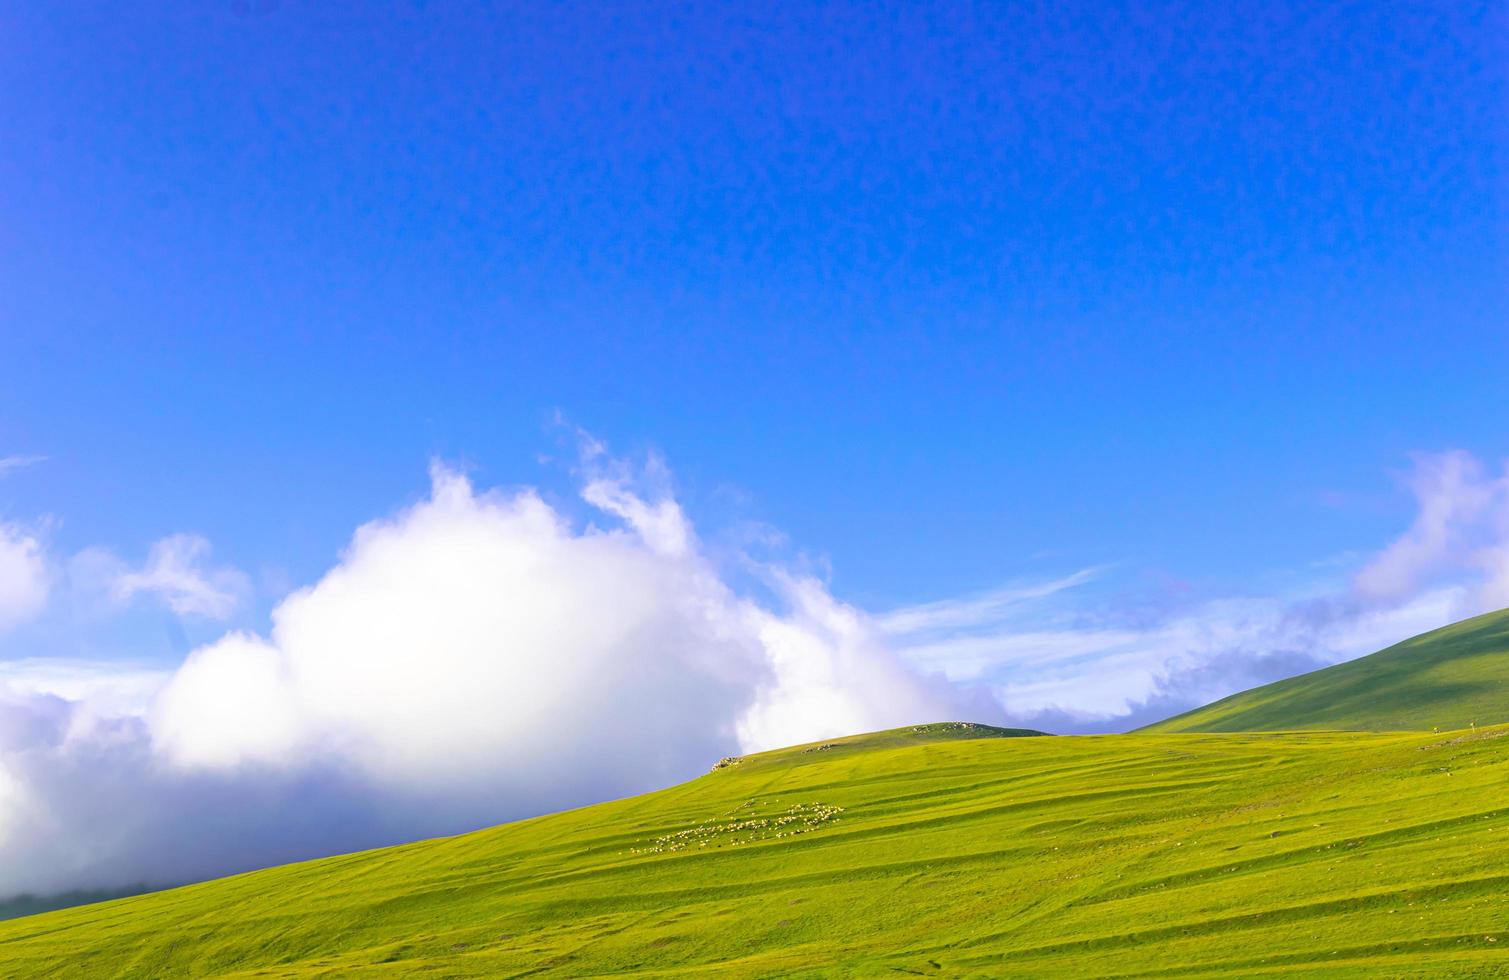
{"x":937,"y":850}
{"x":909,"y":852}
{"x":1448,"y":678}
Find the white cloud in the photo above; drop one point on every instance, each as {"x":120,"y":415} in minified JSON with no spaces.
{"x":1095,"y":676}
{"x":8,"y":463}
{"x":1084,"y":665}
{"x":475,"y":633}
{"x":108,"y":687}
{"x":177,"y":572}
{"x":968,"y":612}
{"x":661,"y":525}
{"x":472,"y":658}
{"x":24,"y":577}
{"x":1463,"y":519}
{"x":832,"y":673}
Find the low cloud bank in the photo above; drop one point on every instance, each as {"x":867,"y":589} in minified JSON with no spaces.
{"x":1058,"y":662}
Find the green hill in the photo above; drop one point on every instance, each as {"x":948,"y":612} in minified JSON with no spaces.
{"x":919,"y":851}
{"x":1448,"y":678}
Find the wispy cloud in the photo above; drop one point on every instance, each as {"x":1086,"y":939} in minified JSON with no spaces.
{"x":177,"y":573}
{"x":109,"y":688}
{"x":972,"y":612}
{"x":25,"y":573}
{"x":8,"y":463}
{"x":1463,"y":521}
{"x":1087,"y":666}
{"x":25,"y":578}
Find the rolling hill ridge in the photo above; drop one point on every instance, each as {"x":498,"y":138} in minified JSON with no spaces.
{"x":1449,"y":678}
{"x":1324,"y":854}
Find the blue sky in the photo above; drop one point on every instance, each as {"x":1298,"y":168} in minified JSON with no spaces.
{"x":1192,"y":300}
{"x":1124,"y":283}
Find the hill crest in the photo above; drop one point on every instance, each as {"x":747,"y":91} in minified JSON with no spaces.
{"x":1449,"y":678}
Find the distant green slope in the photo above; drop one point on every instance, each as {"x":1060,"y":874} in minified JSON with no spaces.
{"x":909,"y":852}
{"x":1449,"y":678}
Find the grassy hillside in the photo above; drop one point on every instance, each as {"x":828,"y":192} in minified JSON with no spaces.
{"x":1448,"y":678}
{"x":19,"y":905}
{"x":926,"y":853}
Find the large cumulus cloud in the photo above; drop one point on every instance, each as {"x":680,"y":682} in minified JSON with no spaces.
{"x":475,"y":657}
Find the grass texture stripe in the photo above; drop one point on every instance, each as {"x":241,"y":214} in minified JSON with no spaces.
{"x":939,"y":850}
